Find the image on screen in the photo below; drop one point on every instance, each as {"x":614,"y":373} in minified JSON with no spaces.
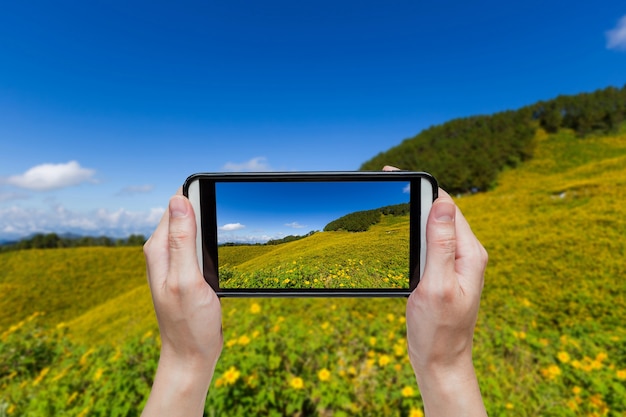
{"x":308,"y":235}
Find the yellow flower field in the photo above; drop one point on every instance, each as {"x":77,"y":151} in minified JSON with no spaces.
{"x":78,"y":335}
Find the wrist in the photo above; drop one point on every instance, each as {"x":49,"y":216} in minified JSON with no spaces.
{"x":180,"y":387}
{"x":450,"y":390}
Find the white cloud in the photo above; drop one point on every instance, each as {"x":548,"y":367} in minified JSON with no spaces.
{"x":46,"y":177}
{"x":407,"y":189}
{"x":16,"y":222}
{"x":258,"y":164}
{"x":231,"y":227}
{"x":295,"y":225}
{"x":616,"y":37}
{"x":135,"y":189}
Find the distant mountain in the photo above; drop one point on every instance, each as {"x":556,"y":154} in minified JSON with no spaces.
{"x":467,"y":154}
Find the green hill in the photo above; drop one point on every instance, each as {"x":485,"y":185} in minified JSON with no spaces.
{"x":550,"y":340}
{"x":467,"y":154}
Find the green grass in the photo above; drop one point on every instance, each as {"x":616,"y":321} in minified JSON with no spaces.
{"x":550,"y":339}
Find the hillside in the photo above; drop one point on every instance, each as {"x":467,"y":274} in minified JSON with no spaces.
{"x":66,"y":283}
{"x":550,"y":341}
{"x":468,"y":154}
{"x":377,"y":258}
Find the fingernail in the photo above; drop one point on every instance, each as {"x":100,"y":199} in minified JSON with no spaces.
{"x":444,"y":212}
{"x":178,"y":208}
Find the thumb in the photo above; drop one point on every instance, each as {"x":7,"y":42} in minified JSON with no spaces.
{"x":182,"y":238}
{"x":440,"y":240}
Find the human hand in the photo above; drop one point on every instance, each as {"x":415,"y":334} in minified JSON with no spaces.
{"x":442,"y":312}
{"x":188,"y":312}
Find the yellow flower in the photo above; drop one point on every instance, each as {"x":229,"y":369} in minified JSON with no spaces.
{"x":576,"y":390}
{"x":384,"y":360}
{"x":407,"y":391}
{"x":519,"y":335}
{"x":243,"y":340}
{"x":416,"y":412}
{"x":41,"y":376}
{"x":118,"y":354}
{"x":551,"y":372}
{"x":98,"y":374}
{"x":323,"y":374}
{"x":572,"y":405}
{"x":83,"y":359}
{"x":255,"y":308}
{"x":621,"y":374}
{"x":231,"y":375}
{"x":296,"y":383}
{"x":372,"y":341}
{"x":601,"y":356}
{"x":509,"y":406}
{"x":563,"y":357}
{"x":84,"y":412}
{"x":399,"y":350}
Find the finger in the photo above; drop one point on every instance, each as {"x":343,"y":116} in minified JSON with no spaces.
{"x":155,"y":251}
{"x":471,"y":256}
{"x":441,"y":242}
{"x":161,"y":231}
{"x":183,"y":263}
{"x":390,"y":168}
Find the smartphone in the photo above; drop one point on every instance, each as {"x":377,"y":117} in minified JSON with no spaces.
{"x":307,"y":234}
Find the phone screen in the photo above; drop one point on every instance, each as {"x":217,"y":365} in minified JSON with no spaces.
{"x":313,"y":235}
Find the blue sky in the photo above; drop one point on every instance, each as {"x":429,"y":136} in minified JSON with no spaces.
{"x":257,"y":212}
{"x":107,"y":106}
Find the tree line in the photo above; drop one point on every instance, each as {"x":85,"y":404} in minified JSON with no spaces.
{"x":467,"y":154}
{"x":361,"y":221}
{"x":53,"y":240}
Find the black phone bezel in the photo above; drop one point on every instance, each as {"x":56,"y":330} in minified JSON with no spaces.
{"x":208,"y":218}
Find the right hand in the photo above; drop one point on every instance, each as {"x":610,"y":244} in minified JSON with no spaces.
{"x":443,"y":309}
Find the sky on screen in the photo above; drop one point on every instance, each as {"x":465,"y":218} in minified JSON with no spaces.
{"x":107,"y":106}
{"x":257,"y":212}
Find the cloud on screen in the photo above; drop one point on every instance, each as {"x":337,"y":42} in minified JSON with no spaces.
{"x":616,"y":37}
{"x":231,"y":227}
{"x":295,"y":225}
